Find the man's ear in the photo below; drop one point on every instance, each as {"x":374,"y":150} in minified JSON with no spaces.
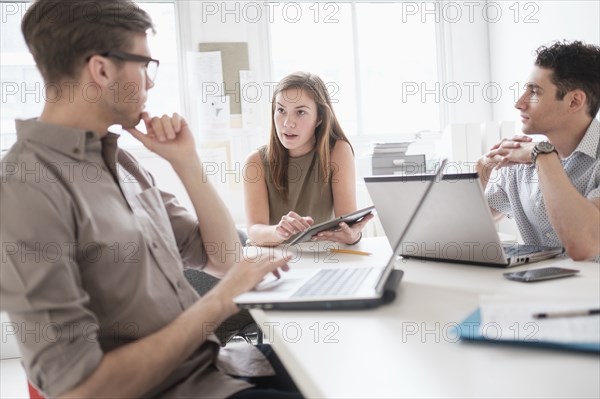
{"x":101,"y":70}
{"x":577,"y":100}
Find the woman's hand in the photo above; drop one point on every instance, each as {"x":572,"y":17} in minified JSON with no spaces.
{"x":344,"y":234}
{"x":292,"y":224}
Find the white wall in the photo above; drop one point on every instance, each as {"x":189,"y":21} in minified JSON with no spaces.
{"x":467,"y":62}
{"x":512,"y":44}
{"x":210,"y":22}
{"x":489,"y":48}
{"x":496,"y":46}
{"x":514,"y":38}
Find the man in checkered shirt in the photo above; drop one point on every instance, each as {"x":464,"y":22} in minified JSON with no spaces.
{"x":552,"y":188}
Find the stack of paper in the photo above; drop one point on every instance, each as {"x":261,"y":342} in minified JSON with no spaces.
{"x":513,"y":319}
{"x":566,"y":323}
{"x":396,"y":148}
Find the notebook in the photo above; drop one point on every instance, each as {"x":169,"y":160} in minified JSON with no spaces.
{"x":455,"y":223}
{"x":511,"y":319}
{"x":348,"y":284}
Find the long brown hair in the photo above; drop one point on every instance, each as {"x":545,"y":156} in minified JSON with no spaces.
{"x":326,"y":133}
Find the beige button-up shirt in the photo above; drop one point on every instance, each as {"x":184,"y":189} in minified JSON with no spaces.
{"x":92,"y":258}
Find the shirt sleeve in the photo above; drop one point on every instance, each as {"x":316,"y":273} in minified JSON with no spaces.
{"x":184,"y":224}
{"x":497,"y":192}
{"x":595,"y":192}
{"x":40,"y":287}
{"x":187,"y":232}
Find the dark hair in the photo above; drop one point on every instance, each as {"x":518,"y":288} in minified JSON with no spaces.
{"x":326,"y":134}
{"x":61,"y":35}
{"x":574,"y":65}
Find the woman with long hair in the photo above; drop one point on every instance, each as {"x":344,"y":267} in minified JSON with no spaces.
{"x":306,"y":173}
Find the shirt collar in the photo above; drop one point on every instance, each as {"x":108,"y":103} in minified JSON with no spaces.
{"x":590,"y":141}
{"x":72,"y":142}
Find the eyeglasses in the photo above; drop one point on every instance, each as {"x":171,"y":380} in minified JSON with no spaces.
{"x":150,"y":64}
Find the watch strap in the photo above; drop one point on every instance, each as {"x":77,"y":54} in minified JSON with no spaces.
{"x":537,"y":151}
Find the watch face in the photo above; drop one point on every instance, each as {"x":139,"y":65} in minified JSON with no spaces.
{"x":545,"y":147}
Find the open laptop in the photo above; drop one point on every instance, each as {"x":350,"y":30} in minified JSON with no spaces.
{"x":352,"y":284}
{"x":455,"y":223}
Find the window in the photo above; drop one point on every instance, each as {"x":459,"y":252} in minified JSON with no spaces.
{"x":165,"y":97}
{"x":324,"y":47}
{"x":22,"y":85}
{"x":371,"y":73}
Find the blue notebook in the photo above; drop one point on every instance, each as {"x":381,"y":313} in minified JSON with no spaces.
{"x":469,"y":330}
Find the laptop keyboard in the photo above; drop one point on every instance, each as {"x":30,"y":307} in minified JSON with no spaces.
{"x":333,"y":282}
{"x":523,"y":249}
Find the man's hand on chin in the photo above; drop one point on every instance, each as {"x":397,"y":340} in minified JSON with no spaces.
{"x":167,"y":136}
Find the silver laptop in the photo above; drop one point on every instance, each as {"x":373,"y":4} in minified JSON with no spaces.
{"x":352,"y":284}
{"x":455,"y":223}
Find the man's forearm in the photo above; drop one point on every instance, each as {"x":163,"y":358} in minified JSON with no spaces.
{"x":134,"y":369}
{"x":484,"y":168}
{"x":264,"y":235}
{"x":575,"y":219}
{"x":216,"y":224}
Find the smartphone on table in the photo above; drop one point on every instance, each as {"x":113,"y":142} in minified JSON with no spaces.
{"x":545,"y":273}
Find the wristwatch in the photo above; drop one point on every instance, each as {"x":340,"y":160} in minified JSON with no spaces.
{"x":543,"y":147}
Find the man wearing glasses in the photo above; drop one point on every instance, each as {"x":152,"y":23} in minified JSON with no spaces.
{"x":93,"y":251}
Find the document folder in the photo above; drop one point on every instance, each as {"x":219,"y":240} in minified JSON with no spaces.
{"x":470,"y":330}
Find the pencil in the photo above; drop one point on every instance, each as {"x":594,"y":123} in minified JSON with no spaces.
{"x":347,"y":251}
{"x":566,"y":313}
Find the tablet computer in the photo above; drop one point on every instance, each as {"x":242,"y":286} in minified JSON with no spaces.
{"x":349,"y":219}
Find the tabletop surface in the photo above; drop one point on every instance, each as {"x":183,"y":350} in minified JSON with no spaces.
{"x":409,"y":349}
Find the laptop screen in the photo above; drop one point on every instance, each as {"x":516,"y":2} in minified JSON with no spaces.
{"x":416,"y":206}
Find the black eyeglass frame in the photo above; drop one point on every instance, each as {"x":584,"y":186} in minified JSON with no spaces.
{"x":125,"y":56}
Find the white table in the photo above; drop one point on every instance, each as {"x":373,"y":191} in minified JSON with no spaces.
{"x":406,"y":349}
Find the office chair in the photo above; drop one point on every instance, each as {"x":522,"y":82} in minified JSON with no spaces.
{"x":33,"y":393}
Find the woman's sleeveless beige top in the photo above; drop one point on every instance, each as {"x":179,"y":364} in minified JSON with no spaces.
{"x":307,"y":193}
